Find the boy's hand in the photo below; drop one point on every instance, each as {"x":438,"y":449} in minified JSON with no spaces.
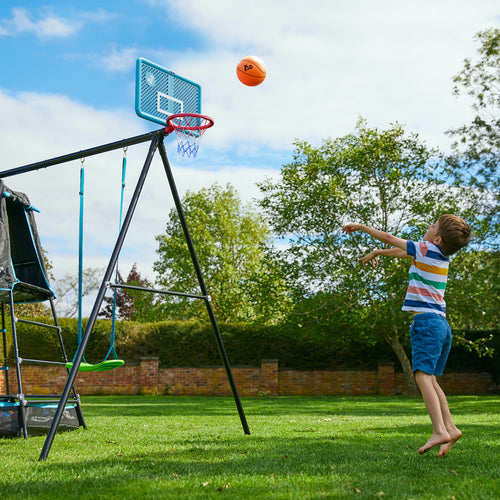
{"x":382,"y":236}
{"x":350,"y":228}
{"x":371,"y":257}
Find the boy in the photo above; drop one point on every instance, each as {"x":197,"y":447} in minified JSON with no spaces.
{"x":430,"y":333}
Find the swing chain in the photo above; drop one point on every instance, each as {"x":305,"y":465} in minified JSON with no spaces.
{"x":82,"y":168}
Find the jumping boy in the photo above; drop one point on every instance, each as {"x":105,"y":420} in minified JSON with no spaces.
{"x":430,"y":333}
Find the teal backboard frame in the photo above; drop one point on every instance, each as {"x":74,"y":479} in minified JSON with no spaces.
{"x":160,"y":93}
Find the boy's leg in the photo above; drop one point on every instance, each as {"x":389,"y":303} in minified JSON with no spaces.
{"x":432,"y":401}
{"x":453,"y":431}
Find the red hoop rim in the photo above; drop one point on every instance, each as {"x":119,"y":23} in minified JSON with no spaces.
{"x":205,"y":122}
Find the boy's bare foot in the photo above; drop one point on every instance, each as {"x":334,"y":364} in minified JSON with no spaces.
{"x":446,"y":447}
{"x":434,"y":440}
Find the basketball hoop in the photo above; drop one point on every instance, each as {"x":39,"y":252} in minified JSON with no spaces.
{"x":189,"y":129}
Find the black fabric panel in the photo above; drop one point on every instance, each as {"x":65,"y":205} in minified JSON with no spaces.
{"x":23,"y":292}
{"x":7,"y":277}
{"x":21,"y":258}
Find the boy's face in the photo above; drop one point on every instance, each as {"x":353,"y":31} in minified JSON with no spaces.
{"x":432,"y":234}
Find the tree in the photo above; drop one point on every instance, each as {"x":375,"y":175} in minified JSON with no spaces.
{"x":230,"y":241}
{"x":473,"y":296}
{"x":386,"y":179}
{"x":67,"y":289}
{"x":134,"y":305}
{"x":477,"y":145}
{"x":30,"y":310}
{"x":476,"y":162}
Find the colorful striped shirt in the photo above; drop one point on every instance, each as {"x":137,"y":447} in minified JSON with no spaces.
{"x":427,"y":278}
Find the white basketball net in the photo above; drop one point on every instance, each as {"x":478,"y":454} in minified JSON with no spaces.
{"x":189,"y":130}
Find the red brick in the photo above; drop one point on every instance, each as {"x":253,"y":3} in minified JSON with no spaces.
{"x":149,"y":378}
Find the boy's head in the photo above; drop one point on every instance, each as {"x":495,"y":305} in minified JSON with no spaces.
{"x":450,"y":233}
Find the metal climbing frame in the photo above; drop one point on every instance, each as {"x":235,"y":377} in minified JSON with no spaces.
{"x":23,"y":279}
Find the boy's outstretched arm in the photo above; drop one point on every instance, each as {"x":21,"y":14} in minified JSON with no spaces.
{"x":388,"y":252}
{"x":382,"y":236}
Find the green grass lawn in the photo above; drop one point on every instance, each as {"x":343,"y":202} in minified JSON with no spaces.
{"x":301,"y":448}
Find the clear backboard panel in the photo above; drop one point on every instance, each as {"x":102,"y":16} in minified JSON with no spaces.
{"x":160,"y":93}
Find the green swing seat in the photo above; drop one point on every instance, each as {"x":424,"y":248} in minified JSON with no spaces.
{"x":109,"y":364}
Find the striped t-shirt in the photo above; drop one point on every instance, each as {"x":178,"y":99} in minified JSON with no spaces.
{"x":428,"y":277}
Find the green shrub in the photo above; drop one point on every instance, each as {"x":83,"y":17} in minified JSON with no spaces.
{"x":192,"y":343}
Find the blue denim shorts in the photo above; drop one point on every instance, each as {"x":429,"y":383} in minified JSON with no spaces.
{"x":430,"y":336}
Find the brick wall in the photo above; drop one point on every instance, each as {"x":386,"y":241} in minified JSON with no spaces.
{"x":267,"y":380}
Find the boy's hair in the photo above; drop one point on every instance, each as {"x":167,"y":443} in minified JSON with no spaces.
{"x":454,"y":232}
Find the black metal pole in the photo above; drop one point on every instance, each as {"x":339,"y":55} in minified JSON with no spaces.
{"x":22,"y":401}
{"x":202,"y":285}
{"x":4,"y":337}
{"x":155,"y":140}
{"x":77,"y":155}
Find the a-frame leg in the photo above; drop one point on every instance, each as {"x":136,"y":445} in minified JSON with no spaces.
{"x":203,"y":288}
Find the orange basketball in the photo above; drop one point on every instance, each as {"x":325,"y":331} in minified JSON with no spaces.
{"x":251,"y":71}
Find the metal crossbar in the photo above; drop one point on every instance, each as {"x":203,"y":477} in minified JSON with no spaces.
{"x":30,"y":322}
{"x":78,"y":155}
{"x":22,"y":360}
{"x":155,"y":290}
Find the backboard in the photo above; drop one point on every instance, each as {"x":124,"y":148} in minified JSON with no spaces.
{"x":160,"y":93}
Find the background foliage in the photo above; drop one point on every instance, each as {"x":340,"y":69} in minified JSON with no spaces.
{"x":230,"y":240}
{"x":192,"y":343}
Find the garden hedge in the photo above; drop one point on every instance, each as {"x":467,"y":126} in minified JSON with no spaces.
{"x":192,"y":343}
